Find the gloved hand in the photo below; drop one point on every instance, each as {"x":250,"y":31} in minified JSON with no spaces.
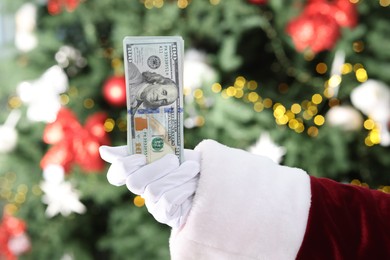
{"x":167,"y":186}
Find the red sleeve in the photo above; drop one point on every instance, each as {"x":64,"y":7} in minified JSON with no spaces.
{"x":346,"y":222}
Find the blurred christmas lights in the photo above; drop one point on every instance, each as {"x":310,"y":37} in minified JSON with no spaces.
{"x":306,"y":110}
{"x":14,"y":197}
{"x":139,"y":201}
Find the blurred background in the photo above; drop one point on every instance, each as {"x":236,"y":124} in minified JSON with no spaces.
{"x":303,"y":82}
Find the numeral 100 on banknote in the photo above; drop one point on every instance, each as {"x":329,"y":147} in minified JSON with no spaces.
{"x":154,"y":90}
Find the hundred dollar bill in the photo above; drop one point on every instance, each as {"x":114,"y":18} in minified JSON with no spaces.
{"x":154,"y":89}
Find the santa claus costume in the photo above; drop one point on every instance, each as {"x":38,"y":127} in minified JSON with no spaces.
{"x":241,"y":206}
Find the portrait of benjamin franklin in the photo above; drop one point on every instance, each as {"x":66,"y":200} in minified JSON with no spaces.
{"x":150,"y":89}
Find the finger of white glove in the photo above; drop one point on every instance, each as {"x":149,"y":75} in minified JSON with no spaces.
{"x":170,"y":205}
{"x":183,"y":214}
{"x":186,"y":171}
{"x":176,"y":196}
{"x":112,"y":153}
{"x":179,"y":218}
{"x":122,"y":167}
{"x":151,"y":172}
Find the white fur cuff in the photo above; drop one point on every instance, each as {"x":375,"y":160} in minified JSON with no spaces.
{"x":245,"y":207}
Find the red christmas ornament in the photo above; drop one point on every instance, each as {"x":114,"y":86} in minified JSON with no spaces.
{"x":318,"y":26}
{"x":114,"y":90}
{"x":257,"y":2}
{"x":73,"y":143}
{"x":65,"y":123}
{"x":315,"y":32}
{"x":60,"y":154}
{"x":13,"y":240}
{"x":343,"y":11}
{"x":55,"y":7}
{"x":346,"y":13}
{"x":87,"y":148}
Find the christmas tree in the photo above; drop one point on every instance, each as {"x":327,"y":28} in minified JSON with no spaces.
{"x":303,"y":82}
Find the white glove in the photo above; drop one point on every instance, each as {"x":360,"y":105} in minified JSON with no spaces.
{"x":167,"y":187}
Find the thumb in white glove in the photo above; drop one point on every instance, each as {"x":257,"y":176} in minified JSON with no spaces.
{"x":167,"y":187}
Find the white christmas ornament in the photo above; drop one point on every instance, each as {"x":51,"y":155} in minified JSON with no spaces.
{"x":25,"y":20}
{"x":345,"y":117}
{"x":54,"y":173}
{"x":8,"y":133}
{"x":265,"y":146}
{"x":59,"y":195}
{"x":373,"y":99}
{"x":42,"y":96}
{"x":70,"y":59}
{"x":197,"y":72}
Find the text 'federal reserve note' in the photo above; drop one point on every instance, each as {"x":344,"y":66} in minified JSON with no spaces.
{"x":154,"y":85}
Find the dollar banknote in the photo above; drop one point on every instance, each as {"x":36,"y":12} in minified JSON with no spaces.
{"x":154,"y":90}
